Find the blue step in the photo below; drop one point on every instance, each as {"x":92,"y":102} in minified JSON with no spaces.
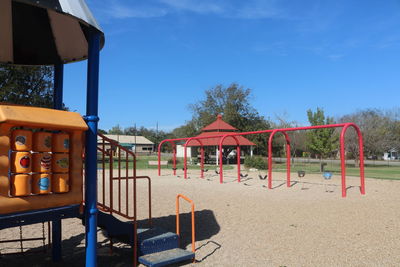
{"x":156,"y":246}
{"x":150,"y":240}
{"x":155,"y":240}
{"x":166,"y":257}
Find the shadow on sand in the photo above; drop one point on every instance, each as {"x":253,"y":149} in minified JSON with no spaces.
{"x":121,"y":255}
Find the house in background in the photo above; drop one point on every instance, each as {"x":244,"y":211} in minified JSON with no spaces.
{"x":137,"y":144}
{"x":392,"y":154}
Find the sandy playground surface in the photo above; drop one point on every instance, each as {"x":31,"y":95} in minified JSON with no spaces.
{"x":246,"y":224}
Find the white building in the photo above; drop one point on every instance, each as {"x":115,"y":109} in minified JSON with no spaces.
{"x":392,"y":154}
{"x":137,"y":144}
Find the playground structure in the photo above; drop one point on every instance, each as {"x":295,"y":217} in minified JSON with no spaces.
{"x":46,"y":145}
{"x":272,"y":133}
{"x":58,"y":32}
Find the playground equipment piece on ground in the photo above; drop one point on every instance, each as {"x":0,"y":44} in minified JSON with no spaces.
{"x":272,"y":133}
{"x":60,"y":32}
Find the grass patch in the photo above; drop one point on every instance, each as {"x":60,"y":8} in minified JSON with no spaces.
{"x":142,"y":164}
{"x":371,"y":171}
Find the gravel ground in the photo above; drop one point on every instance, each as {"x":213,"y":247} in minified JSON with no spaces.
{"x":246,"y":224}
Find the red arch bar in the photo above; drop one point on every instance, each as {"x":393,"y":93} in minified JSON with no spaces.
{"x":344,"y":126}
{"x":201,"y":157}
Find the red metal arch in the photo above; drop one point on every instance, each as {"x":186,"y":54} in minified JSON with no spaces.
{"x":171,"y":141}
{"x":270,"y":157}
{"x":344,"y":126}
{"x":201,"y":157}
{"x":342,"y":157}
{"x":221,"y":169}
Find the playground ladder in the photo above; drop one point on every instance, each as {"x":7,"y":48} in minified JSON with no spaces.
{"x":117,"y":177}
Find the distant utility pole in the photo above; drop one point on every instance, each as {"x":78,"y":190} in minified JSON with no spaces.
{"x":135,"y":138}
{"x":156,"y":136}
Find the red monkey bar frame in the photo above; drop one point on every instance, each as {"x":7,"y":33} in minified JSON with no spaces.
{"x":172,"y":142}
{"x":201,"y":157}
{"x":220,"y":156}
{"x":271,"y":137}
{"x":344,"y":127}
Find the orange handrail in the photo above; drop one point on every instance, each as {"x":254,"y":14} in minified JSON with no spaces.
{"x":193,"y":222}
{"x":110,"y":208}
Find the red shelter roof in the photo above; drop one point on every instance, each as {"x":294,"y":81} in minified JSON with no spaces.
{"x":219,"y":127}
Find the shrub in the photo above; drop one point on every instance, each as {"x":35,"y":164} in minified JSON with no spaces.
{"x":171,"y":161}
{"x":257,"y":162}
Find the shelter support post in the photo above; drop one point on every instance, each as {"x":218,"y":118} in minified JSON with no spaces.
{"x":216,"y":156}
{"x":91,"y":149}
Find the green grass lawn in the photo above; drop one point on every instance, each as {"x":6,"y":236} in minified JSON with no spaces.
{"x":142,"y":163}
{"x":371,"y":171}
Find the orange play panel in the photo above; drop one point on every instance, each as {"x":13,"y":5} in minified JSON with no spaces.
{"x":40,"y":158}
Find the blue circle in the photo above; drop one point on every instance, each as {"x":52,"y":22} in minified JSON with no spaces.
{"x":44,"y":183}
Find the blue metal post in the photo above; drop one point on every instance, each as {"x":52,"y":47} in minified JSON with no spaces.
{"x":57,"y":104}
{"x":58,"y":86}
{"x":91,"y":149}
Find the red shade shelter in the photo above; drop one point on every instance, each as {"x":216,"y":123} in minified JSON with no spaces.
{"x":218,"y":128}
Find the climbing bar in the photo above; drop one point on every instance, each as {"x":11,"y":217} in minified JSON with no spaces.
{"x":193,"y":222}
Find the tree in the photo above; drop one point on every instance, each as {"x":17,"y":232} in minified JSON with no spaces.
{"x":189,"y":129}
{"x":321,"y":141}
{"x":116,"y":130}
{"x":101,"y":131}
{"x":394,"y":128}
{"x":298,"y":139}
{"x":22,"y":85}
{"x":379,"y":130}
{"x":233,"y":102}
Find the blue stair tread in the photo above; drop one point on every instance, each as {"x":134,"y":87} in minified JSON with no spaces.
{"x":156,"y":240}
{"x":166,"y":257}
{"x":152,"y":234}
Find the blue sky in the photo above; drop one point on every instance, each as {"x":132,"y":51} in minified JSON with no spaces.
{"x":160,"y":56}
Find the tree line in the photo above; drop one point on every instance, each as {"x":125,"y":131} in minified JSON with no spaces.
{"x":380,"y":128}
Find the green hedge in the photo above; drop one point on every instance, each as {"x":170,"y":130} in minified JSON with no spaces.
{"x":257,"y":162}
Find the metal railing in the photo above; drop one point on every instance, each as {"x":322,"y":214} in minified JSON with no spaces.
{"x":179,"y":196}
{"x":117,"y":187}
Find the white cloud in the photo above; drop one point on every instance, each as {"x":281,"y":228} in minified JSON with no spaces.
{"x":122,"y":12}
{"x":116,"y":9}
{"x":197,"y":6}
{"x":249,"y":9}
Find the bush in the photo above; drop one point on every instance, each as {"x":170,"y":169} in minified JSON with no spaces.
{"x":171,"y":161}
{"x":256,"y":162}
